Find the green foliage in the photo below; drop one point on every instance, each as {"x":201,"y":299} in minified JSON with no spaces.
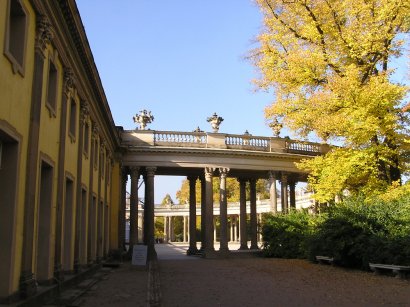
{"x":285,"y":235}
{"x":354,"y":232}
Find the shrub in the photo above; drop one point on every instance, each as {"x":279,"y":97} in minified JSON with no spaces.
{"x":355,"y":233}
{"x":285,"y":235}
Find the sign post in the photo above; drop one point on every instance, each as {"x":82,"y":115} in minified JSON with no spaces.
{"x":139,"y":255}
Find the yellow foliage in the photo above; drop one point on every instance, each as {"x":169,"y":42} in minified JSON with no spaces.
{"x":328,"y":63}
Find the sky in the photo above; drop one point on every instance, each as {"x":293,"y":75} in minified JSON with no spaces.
{"x":182,"y":60}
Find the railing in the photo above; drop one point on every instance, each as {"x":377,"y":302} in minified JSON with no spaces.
{"x":137,"y":138}
{"x":303,"y":147}
{"x":232,"y":140}
{"x":179,"y":137}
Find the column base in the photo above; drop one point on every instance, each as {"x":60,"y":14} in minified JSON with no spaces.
{"x":254,"y":246}
{"x":224,"y":252}
{"x":243,"y":247}
{"x":58,"y":273}
{"x":192,"y":251}
{"x":209,"y":253}
{"x":28,"y":285}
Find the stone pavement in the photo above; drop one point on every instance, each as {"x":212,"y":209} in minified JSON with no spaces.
{"x":193,"y":281}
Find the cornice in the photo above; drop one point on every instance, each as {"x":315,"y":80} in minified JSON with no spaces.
{"x":215,"y":152}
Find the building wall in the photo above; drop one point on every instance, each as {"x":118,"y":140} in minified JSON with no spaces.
{"x":46,"y":103}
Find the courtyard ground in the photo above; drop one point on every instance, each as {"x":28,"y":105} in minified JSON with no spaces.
{"x":193,"y":281}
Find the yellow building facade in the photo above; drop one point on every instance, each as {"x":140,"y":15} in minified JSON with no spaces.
{"x":59,"y":172}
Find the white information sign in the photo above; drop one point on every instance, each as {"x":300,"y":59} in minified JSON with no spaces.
{"x":139,"y":255}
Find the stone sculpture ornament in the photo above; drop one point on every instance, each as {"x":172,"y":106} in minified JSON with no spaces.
{"x":276,"y":127}
{"x":143,"y":118}
{"x":215,"y":121}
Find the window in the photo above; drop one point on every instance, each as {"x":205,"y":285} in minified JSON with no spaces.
{"x":86,"y":139}
{"x":73,"y":120}
{"x":95,"y":154}
{"x":15,"y":45}
{"x":51,"y":102}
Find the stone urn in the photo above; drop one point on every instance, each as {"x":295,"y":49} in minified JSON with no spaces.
{"x":276,"y":127}
{"x":143,"y":118}
{"x":215,"y":121}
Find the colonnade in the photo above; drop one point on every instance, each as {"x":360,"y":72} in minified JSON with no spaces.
{"x":237,"y":230}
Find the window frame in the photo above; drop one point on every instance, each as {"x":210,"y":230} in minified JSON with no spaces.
{"x":18,"y":65}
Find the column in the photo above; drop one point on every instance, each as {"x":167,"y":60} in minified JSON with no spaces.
{"x":122,"y":209}
{"x":209,"y":213}
{"x":292,"y":194}
{"x":254,"y":233}
{"x":28,"y":285}
{"x":67,"y":89}
{"x":231,"y":229}
{"x":272,"y":192}
{"x":165,"y":229}
{"x":192,"y":250}
{"x":284,"y":192}
{"x":84,"y":113}
{"x":242,"y":214}
{"x":203,"y":211}
{"x":235,"y":228}
{"x":260,"y":227}
{"x":134,"y":171}
{"x":171,"y":229}
{"x":145,"y":224}
{"x":149,"y":218}
{"x":184,"y":229}
{"x":223,"y":207}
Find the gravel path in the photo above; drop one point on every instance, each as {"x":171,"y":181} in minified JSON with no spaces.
{"x":187,"y":281}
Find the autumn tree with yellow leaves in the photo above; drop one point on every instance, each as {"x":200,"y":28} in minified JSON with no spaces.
{"x":329,"y":64}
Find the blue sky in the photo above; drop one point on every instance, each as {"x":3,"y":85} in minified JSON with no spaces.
{"x":183,"y":60}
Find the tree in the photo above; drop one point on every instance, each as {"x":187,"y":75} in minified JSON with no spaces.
{"x":167,"y":200}
{"x":328,"y":62}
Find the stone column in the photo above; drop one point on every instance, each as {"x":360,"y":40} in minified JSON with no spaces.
{"x":67,"y":89}
{"x":292,"y":194}
{"x":242,"y":218}
{"x":231,"y":229}
{"x":149,"y":204}
{"x":171,"y":229}
{"x":223,"y":211}
{"x":254,"y":233}
{"x":166,"y":229}
{"x":84,"y":113}
{"x":272,"y":192}
{"x":214,"y":222}
{"x":122,"y":209}
{"x":192,"y":250}
{"x":209,"y":214}
{"x":203,"y":211}
{"x":134,"y":208}
{"x":235,"y":229}
{"x":184,"y":234}
{"x":284,"y":192}
{"x":28,"y":284}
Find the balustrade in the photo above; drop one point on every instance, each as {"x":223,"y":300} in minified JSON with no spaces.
{"x":179,"y":137}
{"x":223,"y":141}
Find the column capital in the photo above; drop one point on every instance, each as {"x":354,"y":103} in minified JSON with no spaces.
{"x":135,"y":171}
{"x":124,"y":173}
{"x":284,"y":177}
{"x":192,"y":178}
{"x":242,"y":180}
{"x":209,"y":171}
{"x":151,"y":171}
{"x":68,"y":80}
{"x":44,"y":35}
{"x":273,"y":175}
{"x":223,"y":172}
